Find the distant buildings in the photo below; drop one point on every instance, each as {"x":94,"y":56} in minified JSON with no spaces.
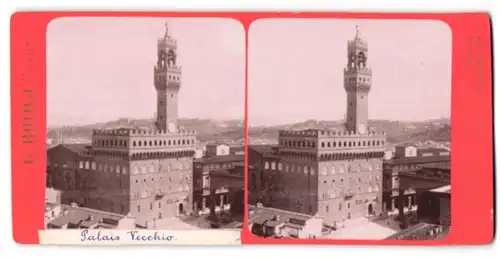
{"x":415,"y":150}
{"x":434,"y":216}
{"x":224,"y":166}
{"x":410,"y":176}
{"x":217,"y":149}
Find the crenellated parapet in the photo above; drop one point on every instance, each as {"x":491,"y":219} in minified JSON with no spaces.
{"x":298,"y":133}
{"x":358,"y":43}
{"x":135,"y":140}
{"x":142,"y":133}
{"x":328,"y":133}
{"x":325,"y":141}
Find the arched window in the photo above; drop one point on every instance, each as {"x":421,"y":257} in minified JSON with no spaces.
{"x":280,"y":166}
{"x":311,"y":171}
{"x":151,"y":168}
{"x":266,"y":165}
{"x":124,"y":170}
{"x":117,"y":169}
{"x":333,"y":170}
{"x":93,"y":165}
{"x":306,"y":171}
{"x":323,"y":170}
{"x":80,"y":165}
{"x":87,"y":165}
{"x":273,"y":166}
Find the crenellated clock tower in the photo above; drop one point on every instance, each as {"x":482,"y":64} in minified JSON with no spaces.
{"x":167,"y":79}
{"x":357,"y":83}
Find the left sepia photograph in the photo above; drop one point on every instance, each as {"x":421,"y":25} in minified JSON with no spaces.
{"x":145,"y":123}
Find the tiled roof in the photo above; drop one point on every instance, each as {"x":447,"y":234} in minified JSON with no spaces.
{"x":85,"y":217}
{"x":432,"y":149}
{"x":220,"y":159}
{"x":49,"y":206}
{"x":421,"y":231}
{"x":262,"y":149}
{"x":261,"y":215}
{"x":444,"y":189}
{"x":237,"y":148}
{"x":217,"y":143}
{"x":76,"y":148}
{"x":417,"y":160}
{"x":438,"y":166}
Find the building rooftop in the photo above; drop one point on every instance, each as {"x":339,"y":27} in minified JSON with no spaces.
{"x":420,"y":231}
{"x":217,"y":143}
{"x":78,"y":148}
{"x":238,"y":148}
{"x":438,"y":166}
{"x":418,"y":160}
{"x":432,"y":149}
{"x":274,"y":217}
{"x":78,"y":217}
{"x":444,"y":189}
{"x":220,"y":159}
{"x":262,"y":149}
{"x":49,"y":206}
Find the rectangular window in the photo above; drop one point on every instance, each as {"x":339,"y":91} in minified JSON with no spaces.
{"x":138,"y":208}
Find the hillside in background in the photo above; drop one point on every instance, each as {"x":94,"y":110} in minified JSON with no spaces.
{"x":231,"y":131}
{"x":397,"y":131}
{"x":207,"y":130}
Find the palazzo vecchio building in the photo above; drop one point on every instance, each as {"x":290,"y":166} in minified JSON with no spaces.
{"x":333,"y":174}
{"x":146,"y":174}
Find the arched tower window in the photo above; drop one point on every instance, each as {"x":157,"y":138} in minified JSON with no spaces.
{"x":361,"y":59}
{"x":171,"y":58}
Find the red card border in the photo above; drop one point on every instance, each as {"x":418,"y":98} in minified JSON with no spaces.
{"x":472,"y":120}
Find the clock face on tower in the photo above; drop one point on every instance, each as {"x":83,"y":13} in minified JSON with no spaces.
{"x":172,"y":127}
{"x":361,"y":128}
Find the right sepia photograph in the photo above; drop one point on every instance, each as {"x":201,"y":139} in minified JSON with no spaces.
{"x":349,"y":129}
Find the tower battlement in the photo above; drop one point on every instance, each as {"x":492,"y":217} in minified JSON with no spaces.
{"x":142,"y":133}
{"x":358,"y":44}
{"x":328,"y":133}
{"x":166,"y":40}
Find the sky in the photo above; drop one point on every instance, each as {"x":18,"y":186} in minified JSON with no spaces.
{"x":101,"y":69}
{"x":295,"y":69}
